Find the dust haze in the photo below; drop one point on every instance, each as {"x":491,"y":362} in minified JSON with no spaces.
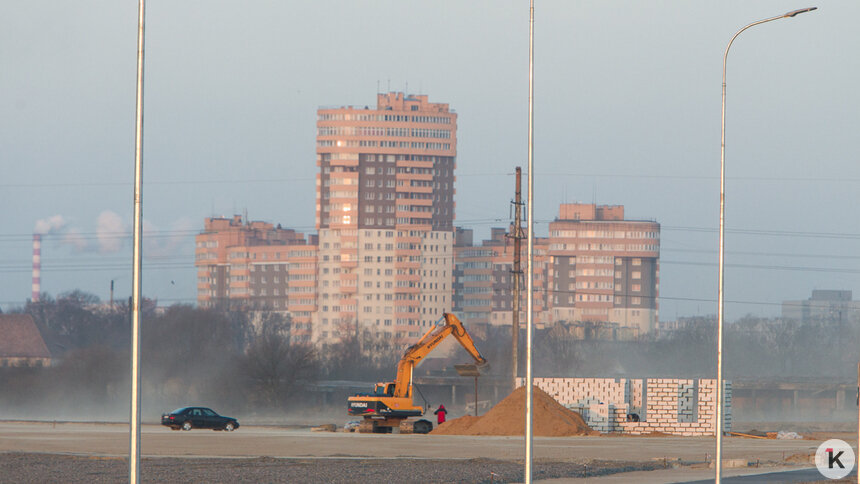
{"x":245,"y":365}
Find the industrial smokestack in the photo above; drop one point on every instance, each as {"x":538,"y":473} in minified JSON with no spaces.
{"x":37,"y":267}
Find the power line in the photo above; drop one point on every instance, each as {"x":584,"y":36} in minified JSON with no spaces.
{"x":233,"y":181}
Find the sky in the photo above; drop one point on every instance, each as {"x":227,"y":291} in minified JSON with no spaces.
{"x":626,"y":105}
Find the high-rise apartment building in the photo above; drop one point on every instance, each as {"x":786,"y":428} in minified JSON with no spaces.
{"x":385,"y":213}
{"x":604,"y":268}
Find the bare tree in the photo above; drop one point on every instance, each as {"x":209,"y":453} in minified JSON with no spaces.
{"x":274,"y":368}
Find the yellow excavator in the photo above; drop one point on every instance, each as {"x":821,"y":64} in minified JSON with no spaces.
{"x":387,"y":409}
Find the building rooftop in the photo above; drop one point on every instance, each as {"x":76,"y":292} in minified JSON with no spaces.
{"x":21,"y":337}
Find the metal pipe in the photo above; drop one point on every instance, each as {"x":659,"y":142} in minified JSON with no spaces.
{"x":718,"y":464}
{"x":530,"y":278}
{"x":134,"y":420}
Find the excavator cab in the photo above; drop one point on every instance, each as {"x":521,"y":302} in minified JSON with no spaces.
{"x":384,"y":389}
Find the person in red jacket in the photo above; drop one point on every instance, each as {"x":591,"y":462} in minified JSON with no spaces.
{"x":440,"y":412}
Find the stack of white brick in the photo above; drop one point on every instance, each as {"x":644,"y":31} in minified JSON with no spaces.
{"x":670,"y":405}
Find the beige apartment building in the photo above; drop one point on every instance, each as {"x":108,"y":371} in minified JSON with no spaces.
{"x":596,"y":271}
{"x":604,"y":268}
{"x":484,"y":279}
{"x":257,"y":266}
{"x":385,"y":212}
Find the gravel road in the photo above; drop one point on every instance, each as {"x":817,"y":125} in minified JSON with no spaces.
{"x":40,"y":468}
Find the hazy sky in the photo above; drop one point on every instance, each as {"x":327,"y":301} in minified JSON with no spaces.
{"x":627,"y":111}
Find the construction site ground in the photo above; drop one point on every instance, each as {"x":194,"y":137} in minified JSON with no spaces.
{"x":47,"y":447}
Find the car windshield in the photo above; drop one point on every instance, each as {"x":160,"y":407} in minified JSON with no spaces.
{"x":179,"y":410}
{"x":209,"y":413}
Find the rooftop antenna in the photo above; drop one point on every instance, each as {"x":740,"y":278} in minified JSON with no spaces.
{"x":406,"y":92}
{"x":389,"y":84}
{"x":377,"y":86}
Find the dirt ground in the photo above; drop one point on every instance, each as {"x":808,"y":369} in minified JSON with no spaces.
{"x":88,"y":452}
{"x":18,"y":468}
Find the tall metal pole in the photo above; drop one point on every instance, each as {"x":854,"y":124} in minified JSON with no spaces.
{"x":718,"y":463}
{"x":517,"y":273}
{"x":530,"y":280}
{"x":134,"y":420}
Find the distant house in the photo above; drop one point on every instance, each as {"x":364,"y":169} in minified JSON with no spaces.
{"x":21,"y":344}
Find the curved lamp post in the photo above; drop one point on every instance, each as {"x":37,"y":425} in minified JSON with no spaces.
{"x":719,"y":427}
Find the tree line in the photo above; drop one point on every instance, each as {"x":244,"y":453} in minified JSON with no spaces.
{"x":245,"y":362}
{"x":237,"y":361}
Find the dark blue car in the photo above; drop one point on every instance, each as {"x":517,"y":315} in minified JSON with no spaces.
{"x":187,"y":418}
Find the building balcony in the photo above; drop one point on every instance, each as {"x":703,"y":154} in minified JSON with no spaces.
{"x":414,"y":176}
{"x":406,"y":265}
{"x":411,"y":189}
{"x":415,"y":164}
{"x":409,"y":239}
{"x":423,"y":202}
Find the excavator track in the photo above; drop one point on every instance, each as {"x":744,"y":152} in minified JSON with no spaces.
{"x":366,"y":426}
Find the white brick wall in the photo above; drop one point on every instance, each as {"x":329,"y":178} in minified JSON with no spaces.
{"x":669,"y":405}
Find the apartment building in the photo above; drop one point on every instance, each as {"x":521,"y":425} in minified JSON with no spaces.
{"x":255,"y":265}
{"x":595,"y":268}
{"x":484,"y":278}
{"x":824,"y":306}
{"x":604,"y":268}
{"x":385,"y":212}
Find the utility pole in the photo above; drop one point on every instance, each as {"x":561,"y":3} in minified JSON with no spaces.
{"x":516,"y":274}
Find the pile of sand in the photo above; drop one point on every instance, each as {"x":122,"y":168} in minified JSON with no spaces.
{"x":549,"y":418}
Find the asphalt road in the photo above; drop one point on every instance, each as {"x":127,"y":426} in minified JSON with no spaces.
{"x":284,"y":448}
{"x":801,"y":475}
{"x":251,"y":441}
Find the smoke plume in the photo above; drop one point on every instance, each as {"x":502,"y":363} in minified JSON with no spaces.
{"x":50,"y":225}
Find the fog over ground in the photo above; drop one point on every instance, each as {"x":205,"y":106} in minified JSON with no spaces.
{"x":243,"y":365}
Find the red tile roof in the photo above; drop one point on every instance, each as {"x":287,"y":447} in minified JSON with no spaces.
{"x":20,"y":338}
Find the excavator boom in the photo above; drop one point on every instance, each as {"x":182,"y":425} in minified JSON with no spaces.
{"x":431,"y":339}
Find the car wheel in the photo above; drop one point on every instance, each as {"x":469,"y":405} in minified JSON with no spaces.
{"x":186,"y":425}
{"x":229,"y":426}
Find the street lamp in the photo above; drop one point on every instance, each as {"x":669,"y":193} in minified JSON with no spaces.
{"x":719,"y":403}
